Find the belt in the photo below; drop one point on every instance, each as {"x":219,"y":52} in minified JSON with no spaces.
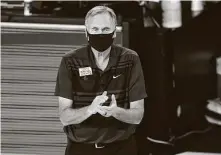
{"x":99,"y":145}
{"x":103,"y":145}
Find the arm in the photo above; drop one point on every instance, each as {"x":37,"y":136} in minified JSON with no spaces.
{"x":72,"y":116}
{"x":68,"y":115}
{"x":133,"y":115}
{"x":63,"y":89}
{"x":137,"y":93}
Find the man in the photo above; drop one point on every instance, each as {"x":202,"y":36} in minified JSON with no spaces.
{"x":101,"y":91}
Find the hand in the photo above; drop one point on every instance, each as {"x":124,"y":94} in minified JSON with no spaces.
{"x":97,"y":102}
{"x":110,"y":110}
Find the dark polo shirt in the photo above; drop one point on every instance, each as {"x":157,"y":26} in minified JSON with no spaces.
{"x":122,"y":77}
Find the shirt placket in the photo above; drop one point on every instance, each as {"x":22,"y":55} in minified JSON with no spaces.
{"x":100,"y":60}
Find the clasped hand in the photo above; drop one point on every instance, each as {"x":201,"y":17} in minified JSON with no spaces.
{"x":106,"y":111}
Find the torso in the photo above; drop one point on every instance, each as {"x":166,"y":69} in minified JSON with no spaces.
{"x":115,"y":80}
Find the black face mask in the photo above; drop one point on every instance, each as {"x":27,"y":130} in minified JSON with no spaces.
{"x":100,"y":42}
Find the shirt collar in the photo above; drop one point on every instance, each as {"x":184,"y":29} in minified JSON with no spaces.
{"x":113,"y":57}
{"x":104,"y":54}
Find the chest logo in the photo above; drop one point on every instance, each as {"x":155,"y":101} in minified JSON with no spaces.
{"x":114,"y":77}
{"x":85,"y":71}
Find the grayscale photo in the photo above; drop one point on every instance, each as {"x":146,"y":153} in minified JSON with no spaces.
{"x":111,"y":77}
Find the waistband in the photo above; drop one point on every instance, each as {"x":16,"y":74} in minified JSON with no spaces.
{"x":102,"y":145}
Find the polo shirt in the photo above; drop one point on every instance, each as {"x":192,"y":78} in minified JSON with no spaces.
{"x":122,"y":77}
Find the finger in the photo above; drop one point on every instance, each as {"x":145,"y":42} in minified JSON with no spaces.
{"x":101,"y":112}
{"x":108,"y":114}
{"x":104,"y":93}
{"x":105,"y":98}
{"x":101,"y":100}
{"x":99,"y":107}
{"x":104,"y":112}
{"x":113,"y":99}
{"x":106,"y":108}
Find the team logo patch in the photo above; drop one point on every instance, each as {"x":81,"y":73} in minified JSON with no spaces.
{"x":85,"y":71}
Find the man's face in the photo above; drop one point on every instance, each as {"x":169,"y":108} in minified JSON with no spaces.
{"x":101,"y":24}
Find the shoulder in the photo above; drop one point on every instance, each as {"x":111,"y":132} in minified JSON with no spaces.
{"x":80,"y":52}
{"x":126,"y":53}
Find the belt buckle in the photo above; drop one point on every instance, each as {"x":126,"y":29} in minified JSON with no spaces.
{"x":98,"y":147}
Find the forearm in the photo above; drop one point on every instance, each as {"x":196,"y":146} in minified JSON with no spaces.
{"x":131,"y":116}
{"x":74,"y":116}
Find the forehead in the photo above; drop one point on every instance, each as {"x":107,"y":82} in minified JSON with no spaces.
{"x":101,"y":20}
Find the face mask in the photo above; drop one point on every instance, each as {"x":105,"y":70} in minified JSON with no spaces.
{"x":100,"y":42}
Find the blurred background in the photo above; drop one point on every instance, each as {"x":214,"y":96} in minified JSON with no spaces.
{"x":178,"y":43}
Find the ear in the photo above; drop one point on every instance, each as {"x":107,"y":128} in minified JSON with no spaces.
{"x":85,"y":31}
{"x":115,"y":34}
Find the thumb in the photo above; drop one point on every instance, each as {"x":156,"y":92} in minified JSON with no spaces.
{"x":113,"y":99}
{"x":104,"y":93}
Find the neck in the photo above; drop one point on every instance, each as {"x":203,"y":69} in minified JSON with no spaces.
{"x":107,"y":50}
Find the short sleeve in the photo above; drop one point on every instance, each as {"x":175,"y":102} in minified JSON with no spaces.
{"x":137,"y":90}
{"x":63,"y":86}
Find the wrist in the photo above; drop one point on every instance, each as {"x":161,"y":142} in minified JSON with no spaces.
{"x":90,"y":110}
{"x":115,"y":112}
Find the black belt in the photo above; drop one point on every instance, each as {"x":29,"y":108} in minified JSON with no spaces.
{"x":99,"y":145}
{"x":103,"y":145}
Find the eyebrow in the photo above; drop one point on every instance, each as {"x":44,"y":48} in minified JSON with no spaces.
{"x":94,"y":28}
{"x":105,"y":28}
